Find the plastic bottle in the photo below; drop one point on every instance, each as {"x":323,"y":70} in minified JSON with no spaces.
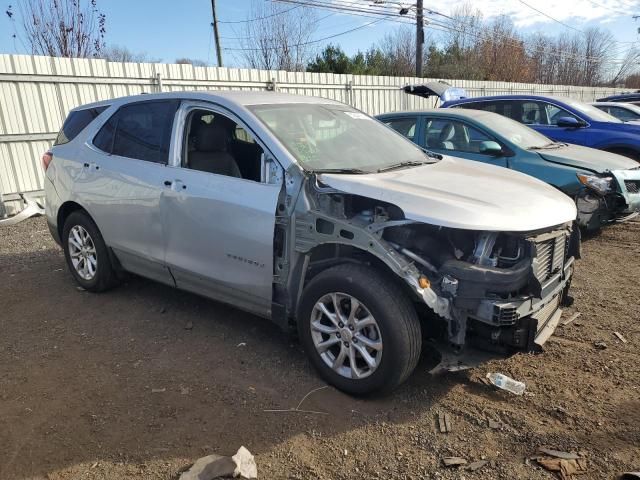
{"x":506,"y":383}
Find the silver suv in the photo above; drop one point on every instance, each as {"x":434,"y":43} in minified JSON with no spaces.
{"x":312,"y":214}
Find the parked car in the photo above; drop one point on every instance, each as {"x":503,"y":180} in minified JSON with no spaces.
{"x":605,"y":186}
{"x":312,"y":214}
{"x":623,"y":97}
{"x":563,"y":120}
{"x":625,"y":112}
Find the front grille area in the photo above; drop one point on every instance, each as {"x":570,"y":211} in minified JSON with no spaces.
{"x":505,"y":314}
{"x":549,"y":257}
{"x":544,"y":314}
{"x":632,"y":186}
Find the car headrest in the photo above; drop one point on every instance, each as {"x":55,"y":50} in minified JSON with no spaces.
{"x":211,"y":138}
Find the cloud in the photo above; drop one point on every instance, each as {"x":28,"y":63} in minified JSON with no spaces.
{"x":572,"y":12}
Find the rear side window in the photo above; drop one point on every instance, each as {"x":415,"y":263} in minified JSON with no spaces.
{"x":76,"y":122}
{"x":404,"y":126}
{"x":139,"y":130}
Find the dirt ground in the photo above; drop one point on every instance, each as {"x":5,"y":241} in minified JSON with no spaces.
{"x":116,"y":385}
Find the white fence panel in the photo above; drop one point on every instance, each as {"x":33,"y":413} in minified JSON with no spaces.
{"x":37,"y":92}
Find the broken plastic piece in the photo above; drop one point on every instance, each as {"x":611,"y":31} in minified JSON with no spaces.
{"x":506,"y":383}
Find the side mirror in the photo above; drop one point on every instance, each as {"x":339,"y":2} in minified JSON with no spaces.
{"x":569,"y":122}
{"x":491,"y":148}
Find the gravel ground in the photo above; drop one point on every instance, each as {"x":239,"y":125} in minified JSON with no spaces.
{"x":116,"y":385}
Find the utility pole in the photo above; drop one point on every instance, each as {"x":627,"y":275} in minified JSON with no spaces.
{"x":216,"y":35}
{"x":419,"y":36}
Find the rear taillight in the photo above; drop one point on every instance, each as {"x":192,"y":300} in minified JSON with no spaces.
{"x":46,"y":160}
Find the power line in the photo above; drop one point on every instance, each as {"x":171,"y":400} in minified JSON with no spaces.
{"x":336,"y":5}
{"x":260,"y":18}
{"x":609,"y":8}
{"x":310,"y":41}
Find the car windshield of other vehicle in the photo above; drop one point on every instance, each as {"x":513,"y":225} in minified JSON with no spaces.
{"x":326,"y":137}
{"x":593,"y":112}
{"x":518,"y":133}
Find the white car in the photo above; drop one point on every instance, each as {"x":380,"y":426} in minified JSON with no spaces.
{"x":312,"y":214}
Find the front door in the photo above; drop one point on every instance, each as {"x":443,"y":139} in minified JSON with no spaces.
{"x":459,"y":139}
{"x":219,"y":209}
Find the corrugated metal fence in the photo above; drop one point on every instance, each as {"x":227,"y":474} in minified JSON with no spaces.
{"x":37,"y":92}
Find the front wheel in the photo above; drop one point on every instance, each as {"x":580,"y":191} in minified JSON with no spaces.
{"x":359,"y":329}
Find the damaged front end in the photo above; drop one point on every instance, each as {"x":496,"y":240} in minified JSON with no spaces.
{"x":500,"y":292}
{"x":612,"y":196}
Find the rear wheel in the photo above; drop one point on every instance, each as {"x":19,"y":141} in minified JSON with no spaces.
{"x":86,"y":253}
{"x":359,"y":329}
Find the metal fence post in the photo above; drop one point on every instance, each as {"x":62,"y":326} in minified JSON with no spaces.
{"x":272,"y":86}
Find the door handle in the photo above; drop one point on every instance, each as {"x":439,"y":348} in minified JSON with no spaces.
{"x":176,"y":185}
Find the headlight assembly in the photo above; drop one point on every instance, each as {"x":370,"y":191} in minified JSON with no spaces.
{"x":601,"y":185}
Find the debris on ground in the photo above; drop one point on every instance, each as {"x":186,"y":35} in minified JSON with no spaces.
{"x":189,"y":325}
{"x":620,"y":337}
{"x":559,"y":454}
{"x":158,"y":390}
{"x":242,"y":465}
{"x":600,"y":345}
{"x":444,"y":422}
{"x":504,"y":382}
{"x":566,"y":464}
{"x":241,"y":344}
{"x":569,"y":320}
{"x":477,"y":465}
{"x":494,"y":425}
{"x":453,"y":461}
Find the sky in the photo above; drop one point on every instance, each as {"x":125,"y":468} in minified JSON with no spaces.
{"x":166,"y":30}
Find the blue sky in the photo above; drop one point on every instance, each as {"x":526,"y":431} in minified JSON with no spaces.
{"x":166,"y":29}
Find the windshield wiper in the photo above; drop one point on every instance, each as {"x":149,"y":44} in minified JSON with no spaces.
{"x":408,"y":163}
{"x":549,"y":146}
{"x":357,"y":171}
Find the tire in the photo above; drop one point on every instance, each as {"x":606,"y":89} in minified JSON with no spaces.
{"x":397,"y":329}
{"x":104,"y":276}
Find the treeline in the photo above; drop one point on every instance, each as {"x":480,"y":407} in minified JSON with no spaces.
{"x":493,"y":50}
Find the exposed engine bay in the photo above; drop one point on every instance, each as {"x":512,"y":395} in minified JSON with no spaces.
{"x":494,"y":290}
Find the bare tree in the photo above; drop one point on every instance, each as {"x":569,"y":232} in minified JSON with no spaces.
{"x":117,"y":53}
{"x":191,"y":61}
{"x":62,"y":28}
{"x":278,"y":37}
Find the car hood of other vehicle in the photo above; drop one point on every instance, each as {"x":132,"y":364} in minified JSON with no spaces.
{"x":596,"y":161}
{"x":463,"y":194}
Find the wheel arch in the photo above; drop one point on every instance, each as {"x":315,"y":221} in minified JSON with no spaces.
{"x":66,"y":209}
{"x":327,"y":255}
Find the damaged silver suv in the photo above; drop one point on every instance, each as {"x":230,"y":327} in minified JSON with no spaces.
{"x":316,"y":216}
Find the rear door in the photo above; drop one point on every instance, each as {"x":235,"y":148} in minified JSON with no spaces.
{"x":127,"y":167}
{"x":219,"y":209}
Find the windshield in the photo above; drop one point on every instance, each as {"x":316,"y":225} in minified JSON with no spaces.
{"x":517,"y":133}
{"x":593,"y":112}
{"x":337,"y":137}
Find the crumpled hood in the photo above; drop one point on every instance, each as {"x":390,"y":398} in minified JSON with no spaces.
{"x":597,"y":161}
{"x":464,"y":194}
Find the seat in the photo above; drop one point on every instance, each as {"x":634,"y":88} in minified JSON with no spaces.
{"x":210,"y":154}
{"x":446,"y":137}
{"x":532,"y":117}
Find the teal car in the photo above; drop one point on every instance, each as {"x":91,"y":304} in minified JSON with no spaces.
{"x":605,"y":186}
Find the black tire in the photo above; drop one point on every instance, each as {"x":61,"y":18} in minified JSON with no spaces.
{"x":105,"y":276}
{"x":395,"y":316}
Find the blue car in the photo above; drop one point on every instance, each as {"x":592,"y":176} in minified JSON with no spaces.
{"x":605,"y":186}
{"x":563,"y":120}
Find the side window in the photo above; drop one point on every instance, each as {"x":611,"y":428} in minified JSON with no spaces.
{"x":554,"y":113}
{"x":139,"y":130}
{"x":404,"y":126}
{"x":623,"y":114}
{"x":216,"y":144}
{"x":454,"y":135}
{"x":532,"y":114}
{"x":76,"y":122}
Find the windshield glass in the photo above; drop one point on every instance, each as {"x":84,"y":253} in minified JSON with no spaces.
{"x":593,"y":112}
{"x":328,"y":137}
{"x":517,"y":133}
